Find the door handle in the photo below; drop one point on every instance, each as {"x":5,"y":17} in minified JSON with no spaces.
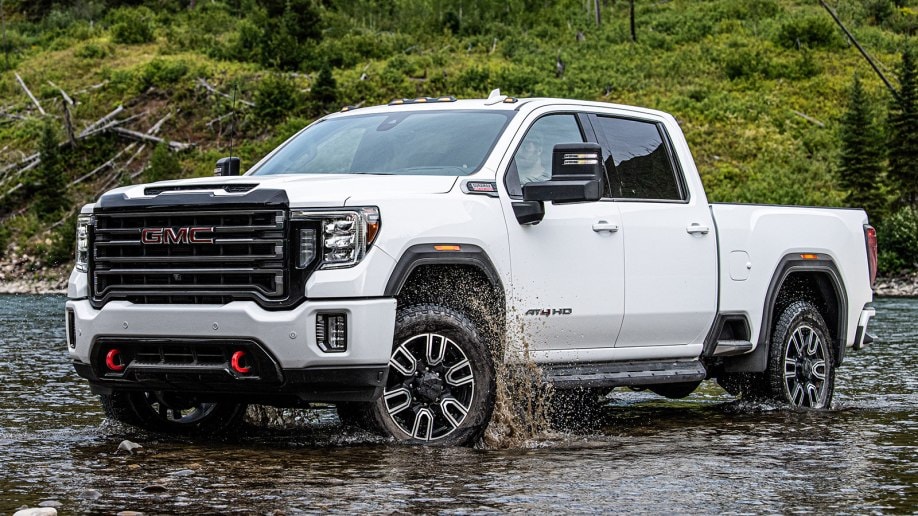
{"x":696,"y":228}
{"x":603,"y":225}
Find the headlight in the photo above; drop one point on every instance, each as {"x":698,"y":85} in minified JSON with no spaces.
{"x":343,"y":236}
{"x":82,"y":242}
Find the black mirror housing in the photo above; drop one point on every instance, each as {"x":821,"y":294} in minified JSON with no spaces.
{"x":228,"y":166}
{"x":577,"y":174}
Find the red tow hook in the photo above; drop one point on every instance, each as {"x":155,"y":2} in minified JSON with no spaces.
{"x":237,"y":363}
{"x":113,"y":360}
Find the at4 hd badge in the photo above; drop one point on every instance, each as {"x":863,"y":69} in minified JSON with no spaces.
{"x":546,"y":312}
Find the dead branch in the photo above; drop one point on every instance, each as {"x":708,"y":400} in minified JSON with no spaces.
{"x":68,"y":124}
{"x":808,"y":118}
{"x":63,"y":93}
{"x":158,"y":125}
{"x":29,"y":93}
{"x":178,"y":146}
{"x":213,"y":90}
{"x":105,"y":119}
{"x":218,"y":119}
{"x":90,"y":88}
{"x":107,"y":164}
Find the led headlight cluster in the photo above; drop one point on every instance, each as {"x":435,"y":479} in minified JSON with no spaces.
{"x":82,"y":242}
{"x":343,"y":236}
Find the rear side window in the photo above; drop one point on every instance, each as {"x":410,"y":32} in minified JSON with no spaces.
{"x":638,"y":162}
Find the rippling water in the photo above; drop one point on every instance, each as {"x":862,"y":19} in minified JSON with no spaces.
{"x":704,"y":454}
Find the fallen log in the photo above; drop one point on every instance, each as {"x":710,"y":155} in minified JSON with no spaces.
{"x":174,"y":145}
{"x":105,"y":119}
{"x":29,"y":93}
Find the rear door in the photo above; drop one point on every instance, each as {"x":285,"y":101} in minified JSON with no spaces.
{"x":669,"y":239}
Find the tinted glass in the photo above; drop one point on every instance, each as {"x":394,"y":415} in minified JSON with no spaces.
{"x":532,"y":161}
{"x":638,"y":163}
{"x":412,"y":143}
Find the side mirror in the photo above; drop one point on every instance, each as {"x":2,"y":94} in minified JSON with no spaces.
{"x":577,"y":174}
{"x":227,"y":167}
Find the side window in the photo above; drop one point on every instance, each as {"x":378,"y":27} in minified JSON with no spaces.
{"x":638,"y":163}
{"x":532,"y":161}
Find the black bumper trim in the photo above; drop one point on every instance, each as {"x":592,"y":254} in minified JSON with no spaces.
{"x":318,"y":384}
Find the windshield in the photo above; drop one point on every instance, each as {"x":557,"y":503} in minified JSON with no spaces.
{"x":441,"y":143}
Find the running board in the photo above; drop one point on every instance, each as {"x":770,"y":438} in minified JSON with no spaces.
{"x":617,"y":374}
{"x":732,"y":347}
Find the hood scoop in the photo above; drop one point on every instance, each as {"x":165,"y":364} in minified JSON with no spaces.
{"x":231,"y":188}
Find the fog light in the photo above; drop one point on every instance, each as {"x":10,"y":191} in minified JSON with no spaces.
{"x":331,"y":332}
{"x":71,"y":329}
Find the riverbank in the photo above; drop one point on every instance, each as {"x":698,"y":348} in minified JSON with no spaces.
{"x":22,"y":274}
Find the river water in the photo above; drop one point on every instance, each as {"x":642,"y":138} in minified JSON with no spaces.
{"x":704,"y":454}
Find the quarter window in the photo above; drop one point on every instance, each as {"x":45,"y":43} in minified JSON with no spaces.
{"x":638,"y":162}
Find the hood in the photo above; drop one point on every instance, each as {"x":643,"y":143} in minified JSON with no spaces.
{"x":316,"y":190}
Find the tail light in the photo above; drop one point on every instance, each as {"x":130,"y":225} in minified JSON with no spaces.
{"x":870,"y":236}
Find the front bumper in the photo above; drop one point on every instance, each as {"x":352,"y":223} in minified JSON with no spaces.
{"x":290,"y":359}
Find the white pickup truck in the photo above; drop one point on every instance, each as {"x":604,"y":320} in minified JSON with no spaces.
{"x":385,"y":258}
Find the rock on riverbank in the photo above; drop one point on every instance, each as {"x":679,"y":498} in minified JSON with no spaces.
{"x":898,"y":286}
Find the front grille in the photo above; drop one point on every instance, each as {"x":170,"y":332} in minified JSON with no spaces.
{"x":155,"y":257}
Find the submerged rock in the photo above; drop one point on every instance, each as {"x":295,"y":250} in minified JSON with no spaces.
{"x":128,"y":446}
{"x":36,"y":511}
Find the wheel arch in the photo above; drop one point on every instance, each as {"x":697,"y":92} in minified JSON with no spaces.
{"x":463,"y":278}
{"x":816,"y":279}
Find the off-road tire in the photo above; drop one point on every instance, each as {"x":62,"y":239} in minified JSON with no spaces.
{"x":801,"y":360}
{"x":431,"y":396}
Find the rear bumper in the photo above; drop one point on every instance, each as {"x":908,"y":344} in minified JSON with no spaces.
{"x":861,"y":339}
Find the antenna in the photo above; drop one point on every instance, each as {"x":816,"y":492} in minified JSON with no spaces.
{"x":233,"y":131}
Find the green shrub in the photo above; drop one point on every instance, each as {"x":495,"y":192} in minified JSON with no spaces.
{"x":897,"y":239}
{"x":94,"y":51}
{"x":810,"y":32}
{"x":163,"y":73}
{"x":133,"y":26}
{"x":276,"y":98}
{"x":163,"y":165}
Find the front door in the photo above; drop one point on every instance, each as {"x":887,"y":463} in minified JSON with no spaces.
{"x":567,"y":272}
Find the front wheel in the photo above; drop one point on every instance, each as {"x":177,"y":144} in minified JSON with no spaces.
{"x":168,"y":413}
{"x":801,"y":363}
{"x":441,"y":386}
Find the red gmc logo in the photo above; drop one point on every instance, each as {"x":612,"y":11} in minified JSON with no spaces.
{"x":175,"y":236}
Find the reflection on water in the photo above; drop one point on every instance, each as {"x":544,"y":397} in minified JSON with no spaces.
{"x":704,"y":454}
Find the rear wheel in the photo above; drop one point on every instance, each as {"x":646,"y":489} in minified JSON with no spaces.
{"x":440,"y":388}
{"x":169,"y":413}
{"x":801,"y":362}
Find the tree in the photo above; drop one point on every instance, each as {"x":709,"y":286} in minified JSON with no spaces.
{"x":163,"y":165}
{"x":903,"y":133}
{"x":861,"y":164}
{"x":324,"y":92}
{"x":48,"y":184}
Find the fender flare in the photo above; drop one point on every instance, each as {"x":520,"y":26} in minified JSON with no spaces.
{"x":757,"y":360}
{"x":425,"y":254}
